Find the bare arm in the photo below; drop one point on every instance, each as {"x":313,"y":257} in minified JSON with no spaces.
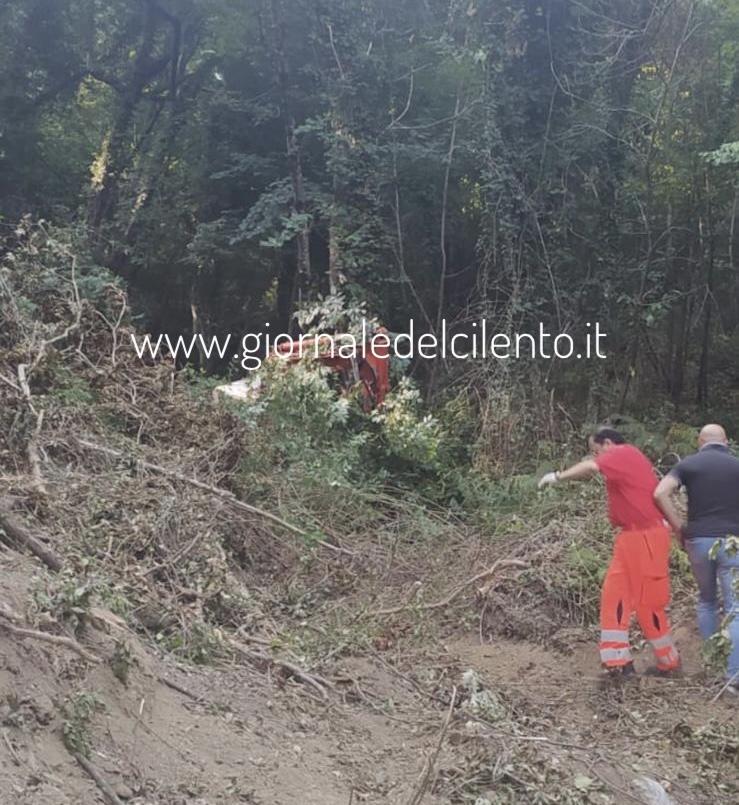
{"x":583,"y":469}
{"x":663,"y":498}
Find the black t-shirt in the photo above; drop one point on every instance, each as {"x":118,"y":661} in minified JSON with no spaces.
{"x":711,"y":478}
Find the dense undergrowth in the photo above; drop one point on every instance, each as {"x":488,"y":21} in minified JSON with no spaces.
{"x":384,"y":487}
{"x":381,"y":516}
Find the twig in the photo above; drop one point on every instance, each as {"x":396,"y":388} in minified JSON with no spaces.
{"x":725,"y":687}
{"x":407,"y":106}
{"x":56,"y":640}
{"x":175,"y":686}
{"x":11,"y":383}
{"x":334,"y":51}
{"x":317,"y":682}
{"x":18,"y":533}
{"x":428,"y":766}
{"x":115,"y":326}
{"x":32,"y":450}
{"x":213,"y":490}
{"x":457,"y":591}
{"x":12,"y":751}
{"x":108,"y":792}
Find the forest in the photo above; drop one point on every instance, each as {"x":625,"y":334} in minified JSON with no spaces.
{"x":306,"y":595}
{"x":558,"y":162}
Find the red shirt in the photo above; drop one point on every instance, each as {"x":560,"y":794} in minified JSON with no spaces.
{"x":630,"y":484}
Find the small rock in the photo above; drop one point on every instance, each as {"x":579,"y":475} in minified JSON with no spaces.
{"x":651,"y":791}
{"x":123,"y":791}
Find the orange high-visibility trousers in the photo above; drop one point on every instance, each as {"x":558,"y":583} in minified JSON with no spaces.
{"x":637,"y":581}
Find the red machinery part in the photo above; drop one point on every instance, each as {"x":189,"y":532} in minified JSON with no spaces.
{"x":372,"y":361}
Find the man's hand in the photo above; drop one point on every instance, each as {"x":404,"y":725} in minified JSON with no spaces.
{"x":548,"y":479}
{"x":663,"y":498}
{"x":681,"y":534}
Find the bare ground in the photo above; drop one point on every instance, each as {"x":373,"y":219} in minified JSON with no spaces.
{"x":184,"y":734}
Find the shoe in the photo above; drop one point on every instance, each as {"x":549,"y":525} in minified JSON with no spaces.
{"x":620,"y":672}
{"x":615,"y":677}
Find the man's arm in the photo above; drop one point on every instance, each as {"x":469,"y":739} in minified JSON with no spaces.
{"x":663,"y":498}
{"x":583,"y":469}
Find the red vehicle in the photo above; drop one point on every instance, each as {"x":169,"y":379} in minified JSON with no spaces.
{"x":369,"y":368}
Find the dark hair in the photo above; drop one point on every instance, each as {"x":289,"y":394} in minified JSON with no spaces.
{"x":612,"y":435}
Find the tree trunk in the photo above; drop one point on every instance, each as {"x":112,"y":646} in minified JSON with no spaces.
{"x":146,"y":68}
{"x":294,"y":161}
{"x":702,"y":392}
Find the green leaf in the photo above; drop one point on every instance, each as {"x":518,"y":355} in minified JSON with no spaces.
{"x":583,"y":782}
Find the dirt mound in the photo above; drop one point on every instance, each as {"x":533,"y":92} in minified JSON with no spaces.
{"x":180,"y":734}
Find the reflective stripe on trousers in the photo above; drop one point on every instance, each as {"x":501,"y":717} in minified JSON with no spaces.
{"x":615,"y":656}
{"x":614,"y":647}
{"x":665,"y":652}
{"x":614,"y":636}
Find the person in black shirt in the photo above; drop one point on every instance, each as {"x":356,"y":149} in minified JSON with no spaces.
{"x":711,"y":479}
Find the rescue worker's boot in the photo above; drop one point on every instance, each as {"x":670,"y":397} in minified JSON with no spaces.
{"x":669,"y":673}
{"x":618,"y":674}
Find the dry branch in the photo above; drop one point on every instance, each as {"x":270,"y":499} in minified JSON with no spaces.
{"x":176,"y":686}
{"x":32,"y":448}
{"x":19,"y":534}
{"x":428,"y":767}
{"x":55,"y":640}
{"x":224,"y":494}
{"x":104,"y":786}
{"x":24,"y":372}
{"x":319,"y":683}
{"x":455,"y":592}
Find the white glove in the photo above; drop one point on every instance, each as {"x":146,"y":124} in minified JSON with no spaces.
{"x":549,"y":478}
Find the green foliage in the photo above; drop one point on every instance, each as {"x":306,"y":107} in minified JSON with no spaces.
{"x":716,"y":650}
{"x":49,"y":265}
{"x":122,"y":661}
{"x":78,"y":711}
{"x":408,"y":435}
{"x":725,"y":154}
{"x":681,"y":439}
{"x":66,"y":597}
{"x":507,"y":125}
{"x":197,"y":642}
{"x":70,"y":389}
{"x":335,"y":313}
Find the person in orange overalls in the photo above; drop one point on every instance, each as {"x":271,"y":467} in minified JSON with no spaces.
{"x":637,"y":580}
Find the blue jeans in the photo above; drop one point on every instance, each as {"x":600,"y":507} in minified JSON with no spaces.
{"x":710,"y":574}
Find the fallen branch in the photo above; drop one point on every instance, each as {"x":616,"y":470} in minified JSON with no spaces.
{"x":428,"y":766}
{"x":317,"y":682}
{"x":12,"y":751}
{"x":176,"y":686}
{"x":730,"y":682}
{"x":104,"y":786}
{"x":455,"y":592}
{"x":224,"y":494}
{"x":32,"y":448}
{"x":56,"y":640}
{"x":18,"y":533}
